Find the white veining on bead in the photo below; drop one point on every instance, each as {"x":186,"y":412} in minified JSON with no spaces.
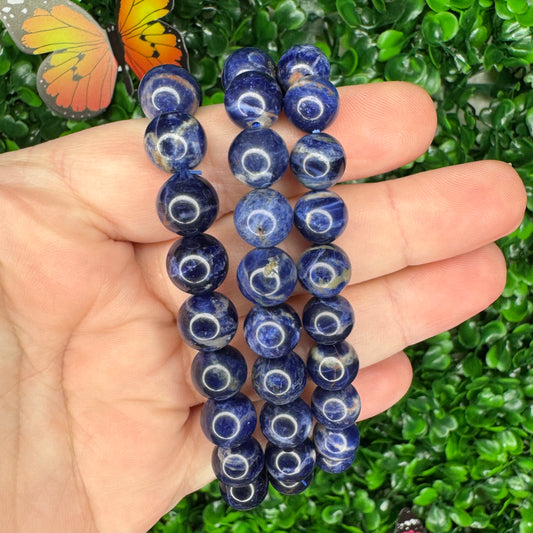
{"x":332,"y":316}
{"x":177,"y":141}
{"x":337,"y":447}
{"x":237,"y":424}
{"x":236,"y":457}
{"x":313,"y":157}
{"x":281,"y":373}
{"x":313,"y":225}
{"x":291,"y":419}
{"x":336,"y":402}
{"x":270,"y":323}
{"x":205,"y":316}
{"x":217,"y":368}
{"x":199,"y":259}
{"x":327,"y":364}
{"x":183,"y":198}
{"x":244,"y":102}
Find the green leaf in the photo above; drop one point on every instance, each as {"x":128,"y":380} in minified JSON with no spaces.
{"x":426,"y":496}
{"x":439,"y":27}
{"x":288,"y":16}
{"x":390,"y":43}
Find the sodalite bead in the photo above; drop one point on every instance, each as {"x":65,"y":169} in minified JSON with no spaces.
{"x":266,"y":276}
{"x":175,"y":140}
{"x":246,"y":497}
{"x":317,"y":161}
{"x":333,"y":366}
{"x":320,"y":216}
{"x":230,"y":422}
{"x":281,"y":380}
{"x":292,"y":487}
{"x":253,"y":98}
{"x":302,"y":60}
{"x":244,"y":60}
{"x":324,"y":270}
{"x":334,"y":466}
{"x":272,"y":331}
{"x":187,"y":204}
{"x":219,"y":374}
{"x":166,"y":88}
{"x":328,"y":320}
{"x":258,"y":157}
{"x":207,"y":321}
{"x":311,"y":103}
{"x":336,"y":444}
{"x":336,"y":409}
{"x":292,"y":464}
{"x":238,"y":465}
{"x":263,"y":217}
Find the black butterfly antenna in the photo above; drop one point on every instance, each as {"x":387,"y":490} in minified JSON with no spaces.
{"x":118,"y":51}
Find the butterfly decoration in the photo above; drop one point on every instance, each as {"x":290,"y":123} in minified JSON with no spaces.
{"x":408,"y":522}
{"x":77,"y":78}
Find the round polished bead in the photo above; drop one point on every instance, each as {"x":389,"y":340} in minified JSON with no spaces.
{"x":175,"y":140}
{"x":272,"y":331}
{"x":311,"y":103}
{"x":238,"y":465}
{"x":334,"y":466}
{"x":340,"y":444}
{"x":302,"y":60}
{"x":286,"y":425}
{"x":292,"y":487}
{"x":197,"y":264}
{"x":230,"y":422}
{"x":166,"y":88}
{"x":317,"y":161}
{"x":266,"y":276}
{"x":219,"y":374}
{"x":246,"y":497}
{"x":244,"y":60}
{"x":207,"y":321}
{"x":336,"y":409}
{"x":281,"y":380}
{"x":328,"y":320}
{"x":290,"y":464}
{"x":333,"y":366}
{"x":263,"y":218}
{"x":324,"y":270}
{"x":258,"y":157}
{"x":187,"y":204}
{"x":253,"y":98}
{"x":320,"y":216}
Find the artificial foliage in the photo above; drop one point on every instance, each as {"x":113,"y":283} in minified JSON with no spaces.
{"x":457,"y":448}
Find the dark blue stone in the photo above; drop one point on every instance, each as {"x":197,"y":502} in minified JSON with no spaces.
{"x":166,"y":88}
{"x":246,"y":497}
{"x":175,"y":140}
{"x":263,"y":217}
{"x":238,"y":465}
{"x":286,"y":425}
{"x":281,"y":380}
{"x":258,"y":157}
{"x":230,"y":422}
{"x":333,"y":366}
{"x":317,"y":161}
{"x":290,"y":464}
{"x":253,"y":98}
{"x":336,"y":409}
{"x":302,"y":60}
{"x":272,"y":331}
{"x":340,"y":444}
{"x":244,"y":60}
{"x":187,"y":204}
{"x":320,"y":216}
{"x":266,"y":276}
{"x":334,"y":466}
{"x":328,"y":320}
{"x":324,"y":270}
{"x":292,"y":487}
{"x":207,"y":321}
{"x":219,"y":374}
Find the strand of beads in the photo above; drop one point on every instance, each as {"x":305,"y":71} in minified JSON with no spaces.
{"x":317,"y":160}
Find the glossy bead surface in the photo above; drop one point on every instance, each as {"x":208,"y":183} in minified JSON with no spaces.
{"x":246,"y":497}
{"x":320,"y":216}
{"x":290,"y":464}
{"x":207,"y":321}
{"x":324,"y":270}
{"x":328,"y":320}
{"x":165,"y":88}
{"x":244,"y":60}
{"x":302,"y":60}
{"x":336,"y":409}
{"x":317,"y":161}
{"x":258,"y":157}
{"x":229,"y":422}
{"x":238,"y":465}
{"x":272,"y":331}
{"x":334,"y":366}
{"x":263,"y":217}
{"x":334,"y":466}
{"x":266,"y":276}
{"x":219,"y":374}
{"x":292,"y":487}
{"x":336,"y":444}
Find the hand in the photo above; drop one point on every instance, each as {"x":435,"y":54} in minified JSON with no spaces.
{"x":99,"y":420}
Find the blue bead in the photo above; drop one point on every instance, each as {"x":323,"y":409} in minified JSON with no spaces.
{"x":292,"y":487}
{"x":175,"y":140}
{"x":246,"y":497}
{"x":244,"y":60}
{"x":228,"y":423}
{"x":253,"y":98}
{"x":311,"y":103}
{"x":286,"y":425}
{"x":290,"y":464}
{"x":263,"y":217}
{"x":207,"y":321}
{"x":336,"y":409}
{"x":334,"y":366}
{"x":281,"y":380}
{"x":219,"y":374}
{"x":320,"y":216}
{"x":328,"y":320}
{"x":258,"y":157}
{"x":317,"y":161}
{"x":324,"y":270}
{"x":266,"y":276}
{"x":302,"y":60}
{"x":166,"y":88}
{"x":238,"y":465}
{"x":272,"y":331}
{"x":187,"y":204}
{"x":197,"y":264}
{"x":334,"y":466}
{"x":336,"y":444}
